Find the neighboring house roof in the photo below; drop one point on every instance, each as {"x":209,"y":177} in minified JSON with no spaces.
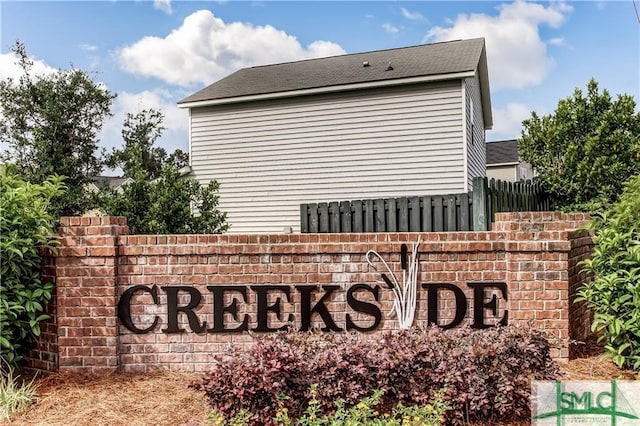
{"x":502,"y":152}
{"x":429,"y":62}
{"x":110,"y":181}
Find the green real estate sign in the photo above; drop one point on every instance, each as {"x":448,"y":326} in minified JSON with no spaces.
{"x":585,"y":403}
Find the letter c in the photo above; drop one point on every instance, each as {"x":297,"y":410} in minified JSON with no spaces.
{"x":600,"y":397}
{"x":124,"y":308}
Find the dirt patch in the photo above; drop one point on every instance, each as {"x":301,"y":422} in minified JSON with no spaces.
{"x":163,"y":398}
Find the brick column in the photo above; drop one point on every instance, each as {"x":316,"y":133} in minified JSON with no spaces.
{"x":538,"y":246}
{"x":86,"y":292}
{"x":580,"y":316}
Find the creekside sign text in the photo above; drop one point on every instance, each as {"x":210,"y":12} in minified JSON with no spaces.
{"x":312,"y":302}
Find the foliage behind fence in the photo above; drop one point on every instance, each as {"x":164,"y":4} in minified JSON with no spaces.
{"x":471,"y":211}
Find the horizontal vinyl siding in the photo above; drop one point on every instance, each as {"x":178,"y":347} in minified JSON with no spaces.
{"x":271,"y":156}
{"x":508,"y":173}
{"x":475,"y":141}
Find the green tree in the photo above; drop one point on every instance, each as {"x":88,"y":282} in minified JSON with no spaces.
{"x":25,"y":227}
{"x":159,"y":200}
{"x":140,"y":132}
{"x":164,"y":205}
{"x":585,"y":151}
{"x":178,"y":159}
{"x":50,"y":125}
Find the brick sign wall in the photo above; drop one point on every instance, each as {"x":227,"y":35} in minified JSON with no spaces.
{"x":138,"y":303}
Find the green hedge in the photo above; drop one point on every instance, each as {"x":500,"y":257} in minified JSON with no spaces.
{"x":614,"y":293}
{"x":25,"y":228}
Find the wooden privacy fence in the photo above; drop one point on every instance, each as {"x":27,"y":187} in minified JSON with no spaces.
{"x":471,"y":211}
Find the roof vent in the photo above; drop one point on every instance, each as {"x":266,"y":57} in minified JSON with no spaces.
{"x":365,"y":63}
{"x":389,"y":67}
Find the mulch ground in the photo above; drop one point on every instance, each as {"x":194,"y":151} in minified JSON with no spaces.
{"x":118,"y":399}
{"x":163,"y":398}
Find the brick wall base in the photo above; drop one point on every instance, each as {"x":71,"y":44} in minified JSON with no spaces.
{"x":529,"y":258}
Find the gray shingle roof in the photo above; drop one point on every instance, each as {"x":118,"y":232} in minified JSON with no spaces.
{"x":109,"y":181}
{"x":416,"y":61}
{"x":502,"y":152}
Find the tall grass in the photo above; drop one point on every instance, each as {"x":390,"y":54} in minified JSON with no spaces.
{"x":15,"y":394}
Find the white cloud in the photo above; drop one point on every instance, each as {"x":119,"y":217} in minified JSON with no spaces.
{"x":205,"y":48}
{"x":517,"y":56}
{"x":507,"y":122}
{"x":390,"y":28}
{"x":414,"y":16}
{"x":88,"y":47}
{"x":176,"y":121}
{"x":557,"y":41}
{"x":9,"y":67}
{"x":163,"y":5}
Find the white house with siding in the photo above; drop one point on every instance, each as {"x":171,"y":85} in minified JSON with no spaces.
{"x":397,"y":122}
{"x":504,"y":163}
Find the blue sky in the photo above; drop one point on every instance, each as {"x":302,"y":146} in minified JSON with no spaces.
{"x":154,"y":53}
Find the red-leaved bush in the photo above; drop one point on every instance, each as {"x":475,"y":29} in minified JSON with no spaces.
{"x":486,"y":374}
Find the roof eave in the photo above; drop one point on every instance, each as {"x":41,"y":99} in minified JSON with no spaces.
{"x":511,"y":163}
{"x":338,"y":88}
{"x":483,"y":72}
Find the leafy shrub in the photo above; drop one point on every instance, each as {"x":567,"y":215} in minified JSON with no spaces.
{"x":25,"y":228}
{"x":484,"y":374}
{"x":365,"y":413}
{"x":614,"y":293}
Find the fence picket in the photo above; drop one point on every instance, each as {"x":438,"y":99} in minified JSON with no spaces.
{"x":323,"y":209}
{"x":368,"y":216}
{"x":392,"y":222}
{"x":438,"y":215}
{"x":345,"y":213}
{"x":463,"y":202}
{"x":304,"y":218}
{"x":427,"y":214}
{"x":381,"y":219}
{"x":414,"y":214}
{"x":358,"y":222}
{"x":334,"y":217}
{"x":313,"y":218}
{"x":403,"y":214}
{"x":481,"y":199}
{"x":451,"y":213}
